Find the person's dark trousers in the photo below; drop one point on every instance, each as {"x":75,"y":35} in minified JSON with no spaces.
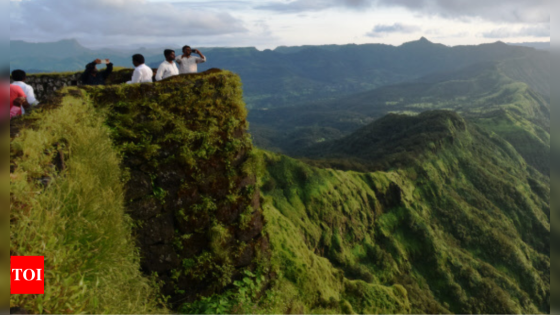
{"x":99,"y":79}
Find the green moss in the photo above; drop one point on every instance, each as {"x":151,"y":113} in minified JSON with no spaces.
{"x":408,"y":229}
{"x":191,"y":129}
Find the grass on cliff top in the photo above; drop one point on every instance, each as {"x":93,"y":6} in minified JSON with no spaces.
{"x":77,"y":221}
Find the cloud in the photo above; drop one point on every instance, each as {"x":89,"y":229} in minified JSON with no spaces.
{"x":514,"y":11}
{"x":383,"y":30}
{"x":539,"y":31}
{"x":298,"y":6}
{"x":4,"y":31}
{"x":438,"y":33}
{"x":55,"y":19}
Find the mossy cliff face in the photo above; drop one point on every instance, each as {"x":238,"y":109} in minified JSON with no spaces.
{"x":454,"y":220}
{"x":192,"y":189}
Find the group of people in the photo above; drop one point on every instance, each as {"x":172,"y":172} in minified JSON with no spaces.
{"x":144,"y":74}
{"x":22,"y":96}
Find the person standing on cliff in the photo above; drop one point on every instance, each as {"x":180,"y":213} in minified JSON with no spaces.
{"x":187,"y":62}
{"x":19,"y":77}
{"x":142,"y":73}
{"x":168,"y":68}
{"x":94,"y":77}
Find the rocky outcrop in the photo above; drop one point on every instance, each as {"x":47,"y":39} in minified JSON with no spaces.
{"x":192,"y":189}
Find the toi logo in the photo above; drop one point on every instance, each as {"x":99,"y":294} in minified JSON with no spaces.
{"x":28,"y":275}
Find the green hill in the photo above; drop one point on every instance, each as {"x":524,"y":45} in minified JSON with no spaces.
{"x":453,"y":215}
{"x":150,"y":197}
{"x":484,"y":93}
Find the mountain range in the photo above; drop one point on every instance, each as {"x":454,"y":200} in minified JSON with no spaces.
{"x":537,"y":45}
{"x":510,"y":97}
{"x":287,"y":75}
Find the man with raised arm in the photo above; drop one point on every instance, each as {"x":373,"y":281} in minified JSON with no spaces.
{"x":142,"y":73}
{"x":187,"y":62}
{"x":94,"y":77}
{"x":168,"y":68}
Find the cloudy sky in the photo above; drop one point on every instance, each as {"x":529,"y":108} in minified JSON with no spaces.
{"x":272,"y":23}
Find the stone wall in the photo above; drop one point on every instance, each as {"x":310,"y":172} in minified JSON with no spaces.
{"x":46,"y":85}
{"x":193,"y":192}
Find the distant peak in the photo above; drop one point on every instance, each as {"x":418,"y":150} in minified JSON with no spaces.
{"x":500,"y":43}
{"x":72,"y":42}
{"x":422,"y":41}
{"x":497,"y":44}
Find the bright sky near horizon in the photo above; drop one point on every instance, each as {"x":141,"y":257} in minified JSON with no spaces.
{"x":272,"y":23}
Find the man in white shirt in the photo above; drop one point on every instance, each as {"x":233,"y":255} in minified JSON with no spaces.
{"x":188,"y":63}
{"x":168,"y":68}
{"x":19,"y":77}
{"x":142,"y":73}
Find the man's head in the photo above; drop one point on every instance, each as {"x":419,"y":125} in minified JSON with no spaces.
{"x":19,"y":75}
{"x":187,"y":50}
{"x":169,"y":54}
{"x":138,"y":60}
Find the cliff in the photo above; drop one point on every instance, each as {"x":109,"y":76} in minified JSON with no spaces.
{"x":181,"y":149}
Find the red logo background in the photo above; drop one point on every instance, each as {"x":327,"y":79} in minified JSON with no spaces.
{"x":24,"y":263}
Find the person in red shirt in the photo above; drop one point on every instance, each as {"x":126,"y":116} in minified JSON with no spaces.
{"x":17,"y":100}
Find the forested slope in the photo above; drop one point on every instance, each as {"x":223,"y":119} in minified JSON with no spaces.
{"x":452,"y":214}
{"x":485,"y":94}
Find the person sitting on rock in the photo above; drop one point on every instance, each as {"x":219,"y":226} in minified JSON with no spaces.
{"x":142,"y":73}
{"x":188,"y":63}
{"x":19,"y":77}
{"x":94,"y":77}
{"x":168,"y":68}
{"x":18,"y":101}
